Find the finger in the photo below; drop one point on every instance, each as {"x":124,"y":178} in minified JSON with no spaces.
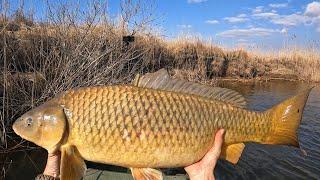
{"x":53,"y":164}
{"x":210,"y":159}
{"x":218,"y":141}
{"x":55,"y":154}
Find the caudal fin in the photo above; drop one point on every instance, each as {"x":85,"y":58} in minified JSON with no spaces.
{"x":286,"y":118}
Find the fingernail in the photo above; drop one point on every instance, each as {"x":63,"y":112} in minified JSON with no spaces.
{"x":222,"y":132}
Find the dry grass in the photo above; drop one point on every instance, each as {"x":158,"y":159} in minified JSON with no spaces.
{"x":301,"y":63}
{"x":39,"y":60}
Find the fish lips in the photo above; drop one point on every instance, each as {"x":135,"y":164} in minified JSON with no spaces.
{"x":16,"y":125}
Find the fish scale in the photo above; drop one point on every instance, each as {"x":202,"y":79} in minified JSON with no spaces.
{"x":111,"y":124}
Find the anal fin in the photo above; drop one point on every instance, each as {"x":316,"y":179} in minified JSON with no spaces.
{"x":232,"y":152}
{"x":72,"y":164}
{"x":146,"y":174}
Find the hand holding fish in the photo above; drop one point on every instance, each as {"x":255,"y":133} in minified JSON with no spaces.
{"x":53,"y":164}
{"x":204,"y":168}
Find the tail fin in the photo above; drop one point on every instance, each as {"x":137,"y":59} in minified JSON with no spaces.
{"x":286,"y":118}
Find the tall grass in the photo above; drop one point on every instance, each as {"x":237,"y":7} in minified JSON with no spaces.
{"x":39,"y":59}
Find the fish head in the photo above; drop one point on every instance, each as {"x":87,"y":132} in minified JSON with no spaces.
{"x":44,"y":126}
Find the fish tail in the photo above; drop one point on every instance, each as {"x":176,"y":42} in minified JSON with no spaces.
{"x":286,"y":118}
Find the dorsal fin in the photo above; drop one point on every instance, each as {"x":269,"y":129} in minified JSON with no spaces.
{"x":161,"y":80}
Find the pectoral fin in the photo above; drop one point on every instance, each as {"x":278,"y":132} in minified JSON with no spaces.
{"x":146,"y":174}
{"x":72,"y":164}
{"x":232,"y":152}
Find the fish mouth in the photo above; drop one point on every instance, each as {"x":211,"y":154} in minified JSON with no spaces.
{"x":14,"y":127}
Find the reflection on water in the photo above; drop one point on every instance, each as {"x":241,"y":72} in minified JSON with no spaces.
{"x":257,"y":161}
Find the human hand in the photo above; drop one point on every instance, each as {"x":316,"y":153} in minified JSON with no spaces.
{"x":204,"y":168}
{"x":53,"y":164}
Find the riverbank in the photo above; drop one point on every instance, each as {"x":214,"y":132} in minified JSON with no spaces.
{"x":28,"y":45}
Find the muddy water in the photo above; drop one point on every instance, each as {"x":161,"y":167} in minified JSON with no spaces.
{"x":257,"y":162}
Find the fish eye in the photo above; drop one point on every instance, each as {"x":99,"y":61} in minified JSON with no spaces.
{"x":29,"y":121}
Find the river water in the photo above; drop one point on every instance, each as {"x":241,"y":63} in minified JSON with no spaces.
{"x":257,"y":161}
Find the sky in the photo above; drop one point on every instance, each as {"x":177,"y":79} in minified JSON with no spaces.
{"x":252,"y":24}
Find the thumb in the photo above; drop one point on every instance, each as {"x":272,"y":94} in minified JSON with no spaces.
{"x":218,"y":139}
{"x":215,"y":151}
{"x":53,"y":164}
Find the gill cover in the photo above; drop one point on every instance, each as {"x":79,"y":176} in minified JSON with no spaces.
{"x":45,"y":126}
{"x":54,"y":127}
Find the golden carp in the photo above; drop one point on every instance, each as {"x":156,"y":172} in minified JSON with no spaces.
{"x":157,"y":123}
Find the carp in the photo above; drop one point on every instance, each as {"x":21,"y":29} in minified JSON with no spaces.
{"x":158,"y":122}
